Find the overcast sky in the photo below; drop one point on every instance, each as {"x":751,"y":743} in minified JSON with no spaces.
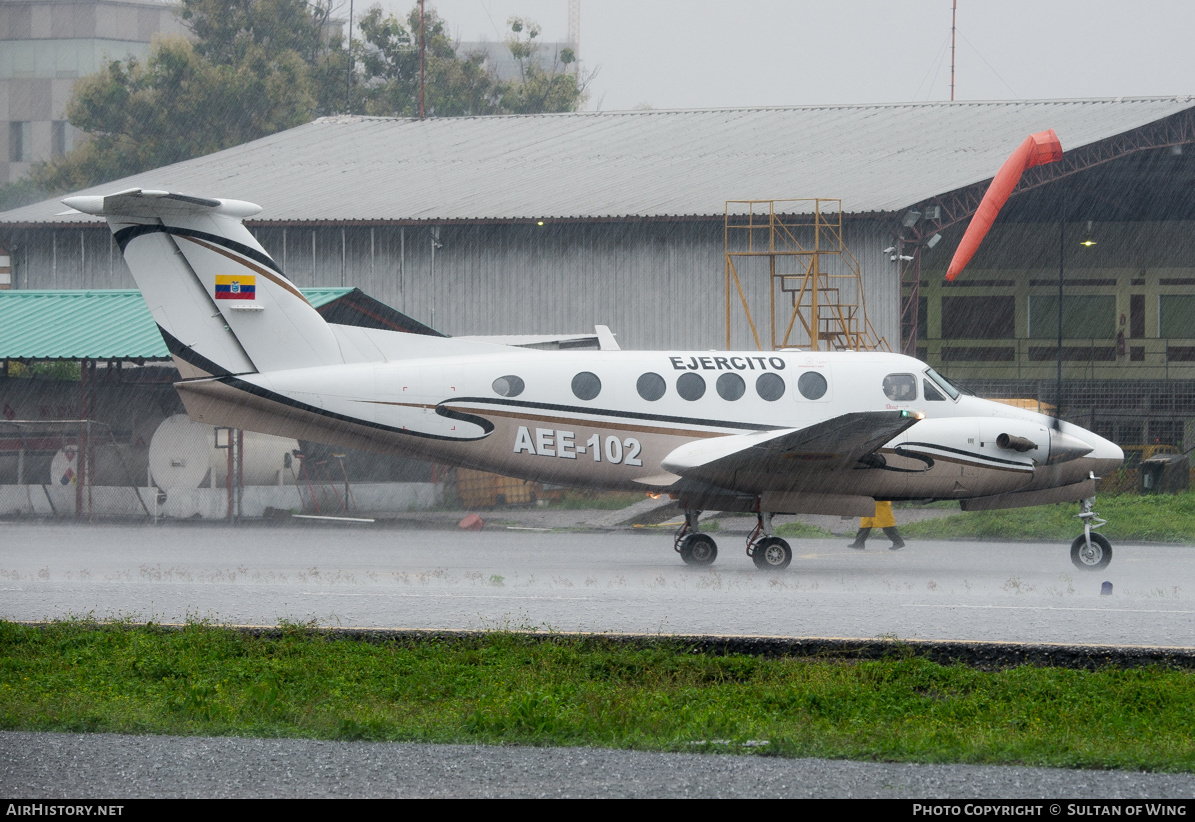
{"x":702,"y":53}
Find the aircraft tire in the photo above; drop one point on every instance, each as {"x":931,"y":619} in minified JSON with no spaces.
{"x":772,"y":554}
{"x":699,"y":549}
{"x":1094,"y":559}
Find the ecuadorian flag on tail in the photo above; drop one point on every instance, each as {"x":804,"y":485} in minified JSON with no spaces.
{"x":236,"y":286}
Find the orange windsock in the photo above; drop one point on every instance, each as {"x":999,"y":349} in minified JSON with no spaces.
{"x":1038,"y":149}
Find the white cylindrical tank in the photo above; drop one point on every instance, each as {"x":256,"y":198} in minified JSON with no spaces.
{"x":183,"y":454}
{"x":64,"y":468}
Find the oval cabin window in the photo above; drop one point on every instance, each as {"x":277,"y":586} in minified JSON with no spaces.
{"x":508,"y":386}
{"x":770,"y":387}
{"x":690,"y":386}
{"x":586,"y":385}
{"x":651,"y":386}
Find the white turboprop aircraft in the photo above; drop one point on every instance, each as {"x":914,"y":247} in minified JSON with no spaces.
{"x":752,"y":431}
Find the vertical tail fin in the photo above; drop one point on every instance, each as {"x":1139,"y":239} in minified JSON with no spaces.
{"x":222,"y":303}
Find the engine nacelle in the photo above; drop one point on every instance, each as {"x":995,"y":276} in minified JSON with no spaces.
{"x":1011,"y":442}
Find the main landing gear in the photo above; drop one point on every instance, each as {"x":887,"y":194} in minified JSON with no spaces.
{"x":694,"y":548}
{"x":769,"y":553}
{"x":1090,"y":551}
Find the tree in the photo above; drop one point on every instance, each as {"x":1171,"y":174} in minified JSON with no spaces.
{"x":455,"y":84}
{"x":240,"y":32}
{"x":541,"y":88}
{"x":174,"y":106}
{"x":388,"y":60}
{"x":254,"y":67}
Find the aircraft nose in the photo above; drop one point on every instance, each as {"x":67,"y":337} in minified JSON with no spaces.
{"x":1107,"y":455}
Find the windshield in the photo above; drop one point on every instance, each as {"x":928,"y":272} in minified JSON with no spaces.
{"x":943,"y":383}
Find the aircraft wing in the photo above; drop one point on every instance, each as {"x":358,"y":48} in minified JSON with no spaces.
{"x":829,"y":445}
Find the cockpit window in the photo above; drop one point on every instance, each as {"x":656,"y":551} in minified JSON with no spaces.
{"x":931,"y":393}
{"x":900,"y":387}
{"x":942,"y":383}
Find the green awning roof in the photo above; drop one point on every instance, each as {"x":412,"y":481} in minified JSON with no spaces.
{"x":109,"y":324}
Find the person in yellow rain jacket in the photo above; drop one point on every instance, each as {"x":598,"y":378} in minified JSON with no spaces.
{"x":883,"y":519}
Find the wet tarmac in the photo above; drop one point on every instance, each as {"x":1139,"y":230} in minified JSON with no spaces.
{"x":425,"y":575}
{"x":555,"y":570}
{"x":101,"y":766}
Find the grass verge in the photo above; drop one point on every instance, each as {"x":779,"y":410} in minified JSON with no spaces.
{"x":514,"y":689}
{"x":1153,"y":518}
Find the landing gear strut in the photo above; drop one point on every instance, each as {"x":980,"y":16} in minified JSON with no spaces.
{"x":1090,"y":552}
{"x":769,"y":553}
{"x":694,"y":548}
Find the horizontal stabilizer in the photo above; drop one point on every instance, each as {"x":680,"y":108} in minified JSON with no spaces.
{"x":137,"y":202}
{"x":223,"y":304}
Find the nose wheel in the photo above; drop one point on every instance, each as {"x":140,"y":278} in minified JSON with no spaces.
{"x":1090,"y":551}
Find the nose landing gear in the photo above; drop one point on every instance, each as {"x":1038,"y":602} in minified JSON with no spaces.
{"x":1090,"y":551}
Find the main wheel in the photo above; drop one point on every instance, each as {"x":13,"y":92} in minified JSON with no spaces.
{"x":1094,"y":558}
{"x":698,"y":549}
{"x":772,"y":554}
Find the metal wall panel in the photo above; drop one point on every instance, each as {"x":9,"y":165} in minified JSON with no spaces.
{"x":657,"y":284}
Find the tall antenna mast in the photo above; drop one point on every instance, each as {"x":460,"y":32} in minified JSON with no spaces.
{"x":953,"y":17}
{"x":422,"y":50}
{"x":574,"y":26}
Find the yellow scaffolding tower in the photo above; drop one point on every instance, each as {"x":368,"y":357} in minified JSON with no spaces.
{"x":801,"y":240}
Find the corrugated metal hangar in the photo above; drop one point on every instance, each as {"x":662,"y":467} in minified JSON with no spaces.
{"x":550,"y":224}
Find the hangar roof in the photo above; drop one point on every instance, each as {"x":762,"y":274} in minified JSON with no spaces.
{"x":115,"y":324}
{"x":630,"y":164}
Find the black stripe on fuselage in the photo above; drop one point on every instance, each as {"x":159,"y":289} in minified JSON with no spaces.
{"x":126,"y":235}
{"x":191,"y":356}
{"x":972,"y":454}
{"x":605,"y":412}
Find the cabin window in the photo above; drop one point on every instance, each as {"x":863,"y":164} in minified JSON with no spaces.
{"x":651,"y":386}
{"x":509,"y":386}
{"x":730,"y":387}
{"x":900,"y":387}
{"x":586,"y":385}
{"x":932,"y":394}
{"x":770,"y":387}
{"x":690,"y":386}
{"x":812,"y":385}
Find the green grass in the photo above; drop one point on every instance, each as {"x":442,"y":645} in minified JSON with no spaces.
{"x":801,"y":530}
{"x":514,"y":689}
{"x":1153,"y":518}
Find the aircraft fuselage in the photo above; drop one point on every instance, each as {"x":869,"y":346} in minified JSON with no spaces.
{"x":611,"y":418}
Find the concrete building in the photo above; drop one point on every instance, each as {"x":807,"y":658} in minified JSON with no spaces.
{"x":45,"y":45}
